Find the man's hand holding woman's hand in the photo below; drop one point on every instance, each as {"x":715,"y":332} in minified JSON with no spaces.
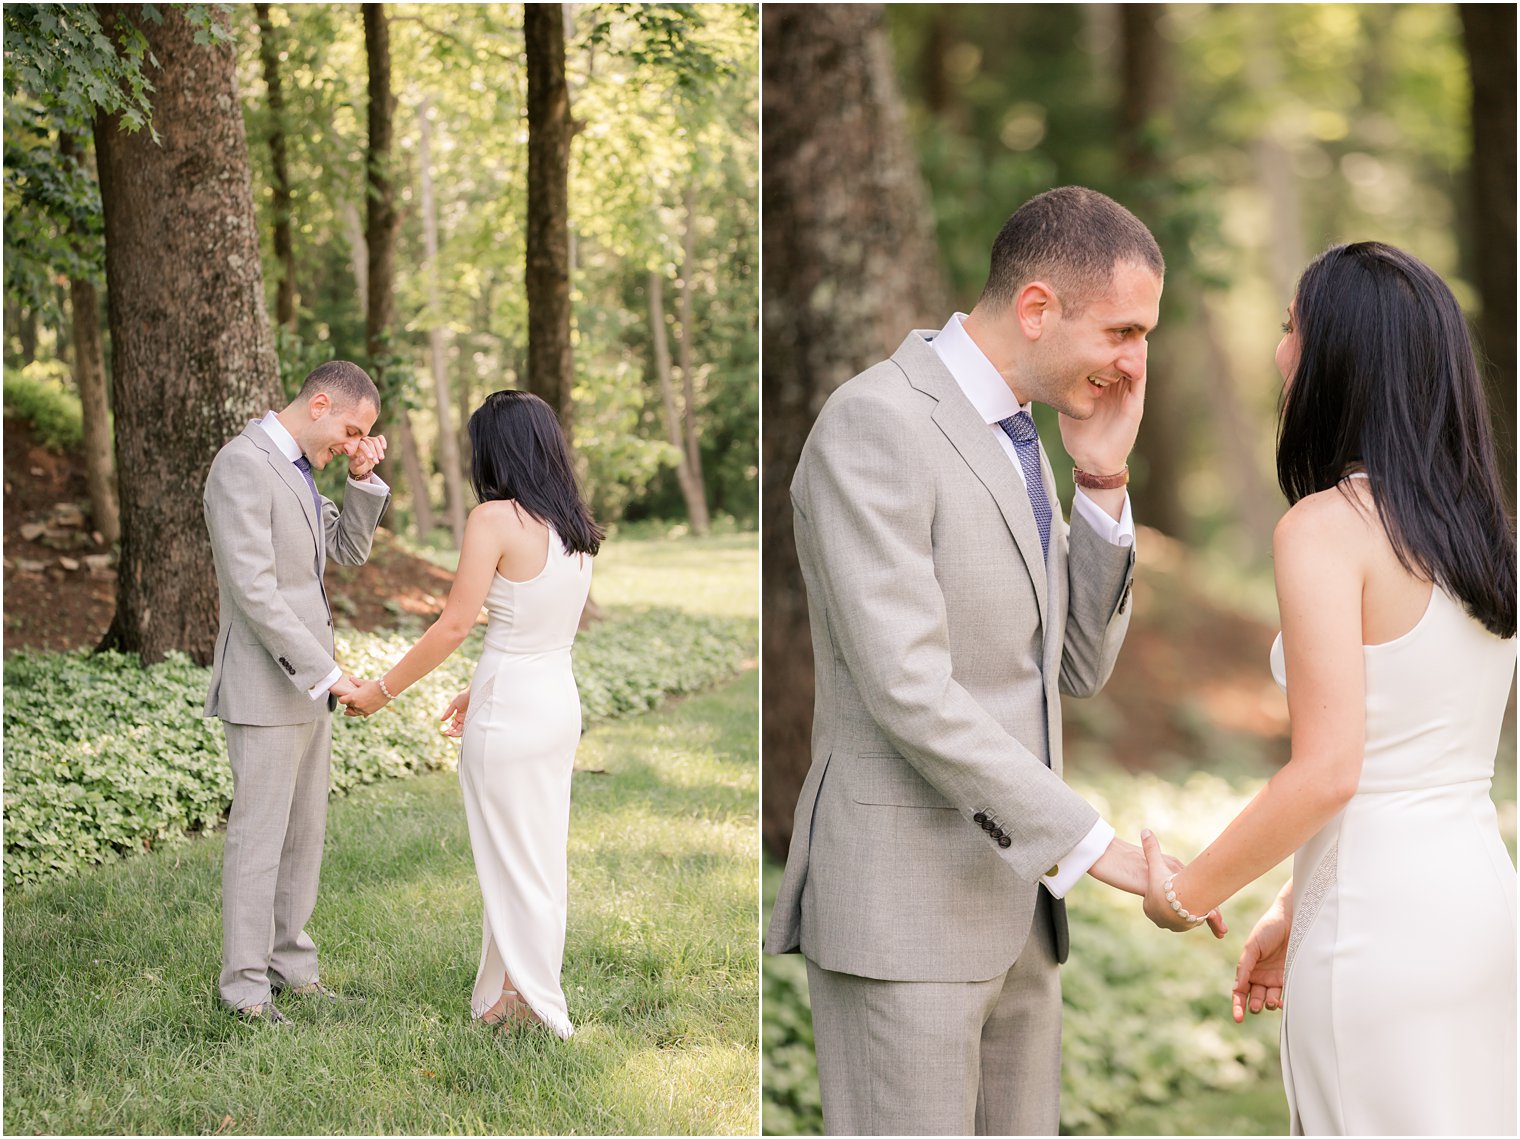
{"x":1160,"y":867}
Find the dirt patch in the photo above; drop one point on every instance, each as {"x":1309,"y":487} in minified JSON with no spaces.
{"x":60,"y":580}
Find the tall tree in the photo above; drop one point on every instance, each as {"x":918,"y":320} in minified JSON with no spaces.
{"x":695,"y":490}
{"x":1143,"y":96}
{"x":284,"y":249}
{"x":1488,"y":31}
{"x":190,"y":340}
{"x":851,"y":267}
{"x":94,"y":390}
{"x":448,"y":443}
{"x":547,"y":280}
{"x":381,"y":223}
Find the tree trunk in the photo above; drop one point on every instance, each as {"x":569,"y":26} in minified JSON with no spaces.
{"x":193,"y":358}
{"x":1488,"y":31}
{"x":691,"y":487}
{"x":94,"y":393}
{"x":448,"y":447}
{"x":26,"y":336}
{"x":380,"y":224}
{"x":95,"y":406}
{"x":1143,"y":95}
{"x":696,"y":500}
{"x":547,"y":279}
{"x":850,"y":268}
{"x":411,"y":464}
{"x":284,"y":250}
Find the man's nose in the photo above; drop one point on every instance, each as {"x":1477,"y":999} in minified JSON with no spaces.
{"x":350,"y":447}
{"x":1132,"y":361}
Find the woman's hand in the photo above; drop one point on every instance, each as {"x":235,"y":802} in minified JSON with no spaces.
{"x":1261,"y":971}
{"x":458,"y":708}
{"x":1158,"y":869}
{"x":365,"y":700}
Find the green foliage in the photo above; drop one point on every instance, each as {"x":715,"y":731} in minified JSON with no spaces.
{"x":104,"y":756}
{"x":1146,"y":1013}
{"x":38,"y":394}
{"x":664,"y":96}
{"x":61,"y":68}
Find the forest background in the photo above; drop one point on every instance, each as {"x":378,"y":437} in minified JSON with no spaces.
{"x":1249,"y":137}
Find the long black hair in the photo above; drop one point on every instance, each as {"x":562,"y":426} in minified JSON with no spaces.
{"x":519,"y":452}
{"x":1386,"y":380}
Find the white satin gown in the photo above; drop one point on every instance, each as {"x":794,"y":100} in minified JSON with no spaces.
{"x":1399,"y":1003}
{"x":517,"y":754}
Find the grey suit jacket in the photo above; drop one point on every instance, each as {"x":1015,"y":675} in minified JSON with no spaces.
{"x":934,"y":803}
{"x":274,"y":640}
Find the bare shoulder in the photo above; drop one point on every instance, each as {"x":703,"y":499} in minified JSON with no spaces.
{"x":503,"y":512}
{"x":1333,"y":523}
{"x":1324,"y":536}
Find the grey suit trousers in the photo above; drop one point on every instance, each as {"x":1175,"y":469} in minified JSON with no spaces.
{"x":273,"y":856}
{"x":943,"y":1057}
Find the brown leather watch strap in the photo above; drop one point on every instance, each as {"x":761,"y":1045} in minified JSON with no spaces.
{"x":1100,"y":482}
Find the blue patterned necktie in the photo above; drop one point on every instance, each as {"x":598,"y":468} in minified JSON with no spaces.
{"x":303,"y":464}
{"x":1026,"y":445}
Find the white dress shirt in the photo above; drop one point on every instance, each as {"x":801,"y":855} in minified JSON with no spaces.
{"x":994,"y":401}
{"x":371,"y":483}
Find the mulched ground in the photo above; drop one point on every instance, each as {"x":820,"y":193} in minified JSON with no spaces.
{"x":58,"y":595}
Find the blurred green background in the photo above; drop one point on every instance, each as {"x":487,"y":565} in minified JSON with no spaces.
{"x":1248,"y":137}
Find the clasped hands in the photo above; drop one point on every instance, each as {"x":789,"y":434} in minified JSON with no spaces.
{"x":359,"y":697}
{"x":365,"y":697}
{"x":1143,"y":870}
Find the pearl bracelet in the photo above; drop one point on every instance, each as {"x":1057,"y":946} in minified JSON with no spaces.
{"x":386,"y":692}
{"x":1171,"y":896}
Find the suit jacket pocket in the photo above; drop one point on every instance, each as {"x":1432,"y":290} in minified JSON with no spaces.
{"x":884,"y":779}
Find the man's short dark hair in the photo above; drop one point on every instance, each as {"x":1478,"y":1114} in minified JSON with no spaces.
{"x":1071,"y":238}
{"x":344,"y":381}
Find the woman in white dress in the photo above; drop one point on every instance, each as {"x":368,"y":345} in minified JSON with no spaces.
{"x":1395,"y":938}
{"x":527,"y":559}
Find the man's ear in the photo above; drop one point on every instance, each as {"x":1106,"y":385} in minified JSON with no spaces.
{"x":1036,"y":301}
{"x":319,"y":405}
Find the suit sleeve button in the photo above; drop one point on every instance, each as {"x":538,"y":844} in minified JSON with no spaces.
{"x":1005,"y":842}
{"x":979,"y":818}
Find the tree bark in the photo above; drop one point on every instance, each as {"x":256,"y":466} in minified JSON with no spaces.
{"x":94,"y":393}
{"x":696,"y":498}
{"x":381,"y":221}
{"x":691,"y":488}
{"x":284,"y":249}
{"x":1143,"y":95}
{"x":850,"y":268}
{"x":547,"y":278}
{"x":193,"y":358}
{"x":448,"y":446}
{"x":1488,"y":31}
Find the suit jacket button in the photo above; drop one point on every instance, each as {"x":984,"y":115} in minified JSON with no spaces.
{"x":1004,"y":841}
{"x":988,"y":826}
{"x":979,"y":818}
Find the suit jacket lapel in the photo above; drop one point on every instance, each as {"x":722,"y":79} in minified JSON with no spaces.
{"x":973,"y":439}
{"x":286,"y":470}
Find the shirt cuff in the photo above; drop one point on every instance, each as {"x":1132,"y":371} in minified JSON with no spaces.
{"x":321,"y":689}
{"x":1120,"y":533}
{"x":376,"y":485}
{"x":1079,"y":860}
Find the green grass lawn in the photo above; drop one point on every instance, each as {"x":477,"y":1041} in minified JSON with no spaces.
{"x":718,"y":575}
{"x":112,"y":1023}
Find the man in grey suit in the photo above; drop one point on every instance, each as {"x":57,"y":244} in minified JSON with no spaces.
{"x":951,"y":604}
{"x":274,"y":679}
